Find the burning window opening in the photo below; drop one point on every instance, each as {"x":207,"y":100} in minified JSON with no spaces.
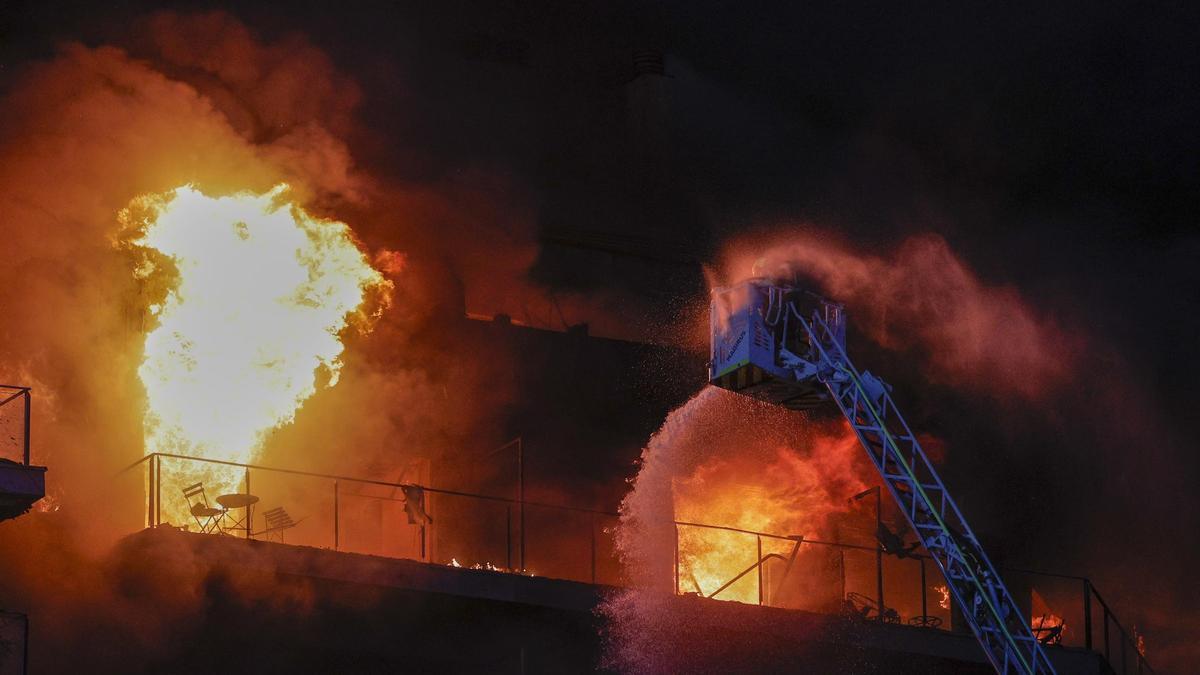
{"x":1048,"y":626}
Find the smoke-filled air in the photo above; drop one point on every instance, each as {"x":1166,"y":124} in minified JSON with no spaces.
{"x":196,"y":266}
{"x":380,"y":340}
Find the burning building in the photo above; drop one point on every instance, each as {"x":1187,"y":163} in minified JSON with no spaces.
{"x":326,"y":392}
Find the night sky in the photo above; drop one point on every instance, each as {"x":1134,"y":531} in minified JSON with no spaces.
{"x":1054,"y":146}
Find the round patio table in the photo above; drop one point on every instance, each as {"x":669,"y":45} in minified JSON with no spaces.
{"x":239,"y":500}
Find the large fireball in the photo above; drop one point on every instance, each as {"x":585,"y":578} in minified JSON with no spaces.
{"x":257,"y":292}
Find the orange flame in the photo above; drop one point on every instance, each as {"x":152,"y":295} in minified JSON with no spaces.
{"x":785,"y":492}
{"x":253,"y":293}
{"x":1047,"y":626}
{"x":944,"y":603}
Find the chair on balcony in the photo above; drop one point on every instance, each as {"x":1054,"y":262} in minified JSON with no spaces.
{"x":278,"y":520}
{"x":208,"y":518}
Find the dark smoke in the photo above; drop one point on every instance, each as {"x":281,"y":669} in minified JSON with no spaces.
{"x":202,"y":99}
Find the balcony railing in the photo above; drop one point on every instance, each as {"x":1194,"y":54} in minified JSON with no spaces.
{"x":15,"y":406}
{"x":361,"y":515}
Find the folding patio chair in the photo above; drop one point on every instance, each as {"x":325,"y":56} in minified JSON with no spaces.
{"x":278,"y":520}
{"x":208,"y":518}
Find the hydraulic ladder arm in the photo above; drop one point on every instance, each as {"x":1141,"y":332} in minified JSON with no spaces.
{"x":797,"y":353}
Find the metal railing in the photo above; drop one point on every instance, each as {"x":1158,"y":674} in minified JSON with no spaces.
{"x":1076,"y":600}
{"x":796,"y":542}
{"x":519,"y":520}
{"x":529,"y":537}
{"x":15,"y":405}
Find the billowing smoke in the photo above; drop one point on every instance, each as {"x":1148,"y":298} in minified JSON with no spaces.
{"x":1047,"y":389}
{"x":85,"y":133}
{"x":199,"y":100}
{"x":127,"y":611}
{"x":88,"y":131}
{"x":923,"y":297}
{"x":285,"y":97}
{"x":980,"y":341}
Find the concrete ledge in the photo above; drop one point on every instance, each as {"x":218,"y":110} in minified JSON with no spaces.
{"x":20,"y":487}
{"x":764,"y":636}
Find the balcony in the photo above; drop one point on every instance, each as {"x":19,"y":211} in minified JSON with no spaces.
{"x":21,"y":483}
{"x":511,"y":536}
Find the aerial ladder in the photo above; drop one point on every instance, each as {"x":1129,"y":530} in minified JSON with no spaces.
{"x":779,"y":343}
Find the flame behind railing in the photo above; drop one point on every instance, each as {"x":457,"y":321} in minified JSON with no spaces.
{"x":481,"y":531}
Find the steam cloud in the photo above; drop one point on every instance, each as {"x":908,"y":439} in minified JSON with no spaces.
{"x":972,"y":335}
{"x":989,"y":341}
{"x":718,"y":440}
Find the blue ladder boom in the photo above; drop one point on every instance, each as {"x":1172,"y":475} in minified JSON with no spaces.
{"x":779,"y":355}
